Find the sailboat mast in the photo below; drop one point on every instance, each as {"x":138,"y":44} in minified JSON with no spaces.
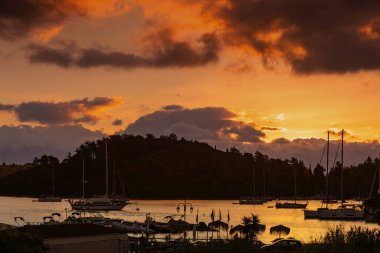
{"x":114,"y":179}
{"x":295,"y":185}
{"x":52,"y":170}
{"x":254,"y":185}
{"x":264,"y":181}
{"x":378,"y":189}
{"x":327,"y":168}
{"x":106,"y":168}
{"x":341,"y":176}
{"x":82,"y":179}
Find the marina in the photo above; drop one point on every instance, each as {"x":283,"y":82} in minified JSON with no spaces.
{"x":300,"y":228}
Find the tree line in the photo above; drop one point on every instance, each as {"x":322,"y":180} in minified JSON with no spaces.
{"x":168,"y":167}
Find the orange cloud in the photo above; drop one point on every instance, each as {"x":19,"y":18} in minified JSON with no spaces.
{"x":371,"y":29}
{"x":45,"y":34}
{"x":104,"y":8}
{"x":338,"y":132}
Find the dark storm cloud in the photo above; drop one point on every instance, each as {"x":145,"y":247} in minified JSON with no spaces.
{"x":22,"y":18}
{"x":55,"y":113}
{"x":117,"y":122}
{"x":207,"y":123}
{"x":58,"y":56}
{"x":163,"y":51}
{"x":20,"y":144}
{"x":18,"y":18}
{"x":314,"y":36}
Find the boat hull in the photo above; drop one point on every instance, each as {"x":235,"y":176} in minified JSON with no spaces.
{"x":98,"y":207}
{"x":313,"y":214}
{"x":251,"y":202}
{"x":341,"y":214}
{"x":291,"y":205}
{"x":329,"y":201}
{"x":49,"y":199}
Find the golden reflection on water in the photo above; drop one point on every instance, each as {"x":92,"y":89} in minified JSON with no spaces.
{"x":158,"y":209}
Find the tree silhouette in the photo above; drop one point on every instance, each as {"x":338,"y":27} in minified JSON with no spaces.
{"x":250,"y":227}
{"x":168,"y":167}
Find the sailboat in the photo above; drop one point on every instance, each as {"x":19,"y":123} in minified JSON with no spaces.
{"x":292,"y":205}
{"x":371,"y":218}
{"x":373,"y":183}
{"x":103,"y":203}
{"x":251,"y":200}
{"x":98,"y":204}
{"x":315,"y":214}
{"x":50,"y":198}
{"x":344,"y":211}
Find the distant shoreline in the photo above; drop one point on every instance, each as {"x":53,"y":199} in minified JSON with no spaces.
{"x":176,"y":198}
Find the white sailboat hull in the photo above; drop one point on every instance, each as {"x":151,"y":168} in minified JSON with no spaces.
{"x":313,"y":214}
{"x":341,"y":214}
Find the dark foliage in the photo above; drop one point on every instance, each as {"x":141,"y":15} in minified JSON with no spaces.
{"x":372,"y":207}
{"x":249,"y":228}
{"x":14,"y":241}
{"x":166,"y":167}
{"x":354,"y":240}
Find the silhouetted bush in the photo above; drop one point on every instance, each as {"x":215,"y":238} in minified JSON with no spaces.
{"x":354,"y":240}
{"x":14,"y":241}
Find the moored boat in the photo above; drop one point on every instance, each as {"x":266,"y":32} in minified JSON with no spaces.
{"x":50,"y":198}
{"x":291,"y":205}
{"x":98,"y":204}
{"x":45,"y":198}
{"x":251,"y":201}
{"x":345,"y":212}
{"x":329,"y":201}
{"x":104,"y":203}
{"x":313,"y":214}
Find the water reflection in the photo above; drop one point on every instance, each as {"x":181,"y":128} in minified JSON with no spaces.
{"x":158,"y":209}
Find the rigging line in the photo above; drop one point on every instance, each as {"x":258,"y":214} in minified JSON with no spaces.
{"x":323,"y":153}
{"x":374,"y":179}
{"x":336,"y":155}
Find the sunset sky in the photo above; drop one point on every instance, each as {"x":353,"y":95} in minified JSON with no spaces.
{"x":267,"y":75}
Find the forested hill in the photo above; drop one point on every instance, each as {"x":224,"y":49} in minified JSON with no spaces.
{"x":165,"y":167}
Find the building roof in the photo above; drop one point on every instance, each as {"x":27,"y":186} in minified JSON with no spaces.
{"x":6,"y":226}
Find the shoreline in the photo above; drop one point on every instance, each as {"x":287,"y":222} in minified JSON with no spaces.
{"x":178,"y":198}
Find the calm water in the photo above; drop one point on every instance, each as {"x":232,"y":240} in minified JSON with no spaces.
{"x":158,"y":209}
